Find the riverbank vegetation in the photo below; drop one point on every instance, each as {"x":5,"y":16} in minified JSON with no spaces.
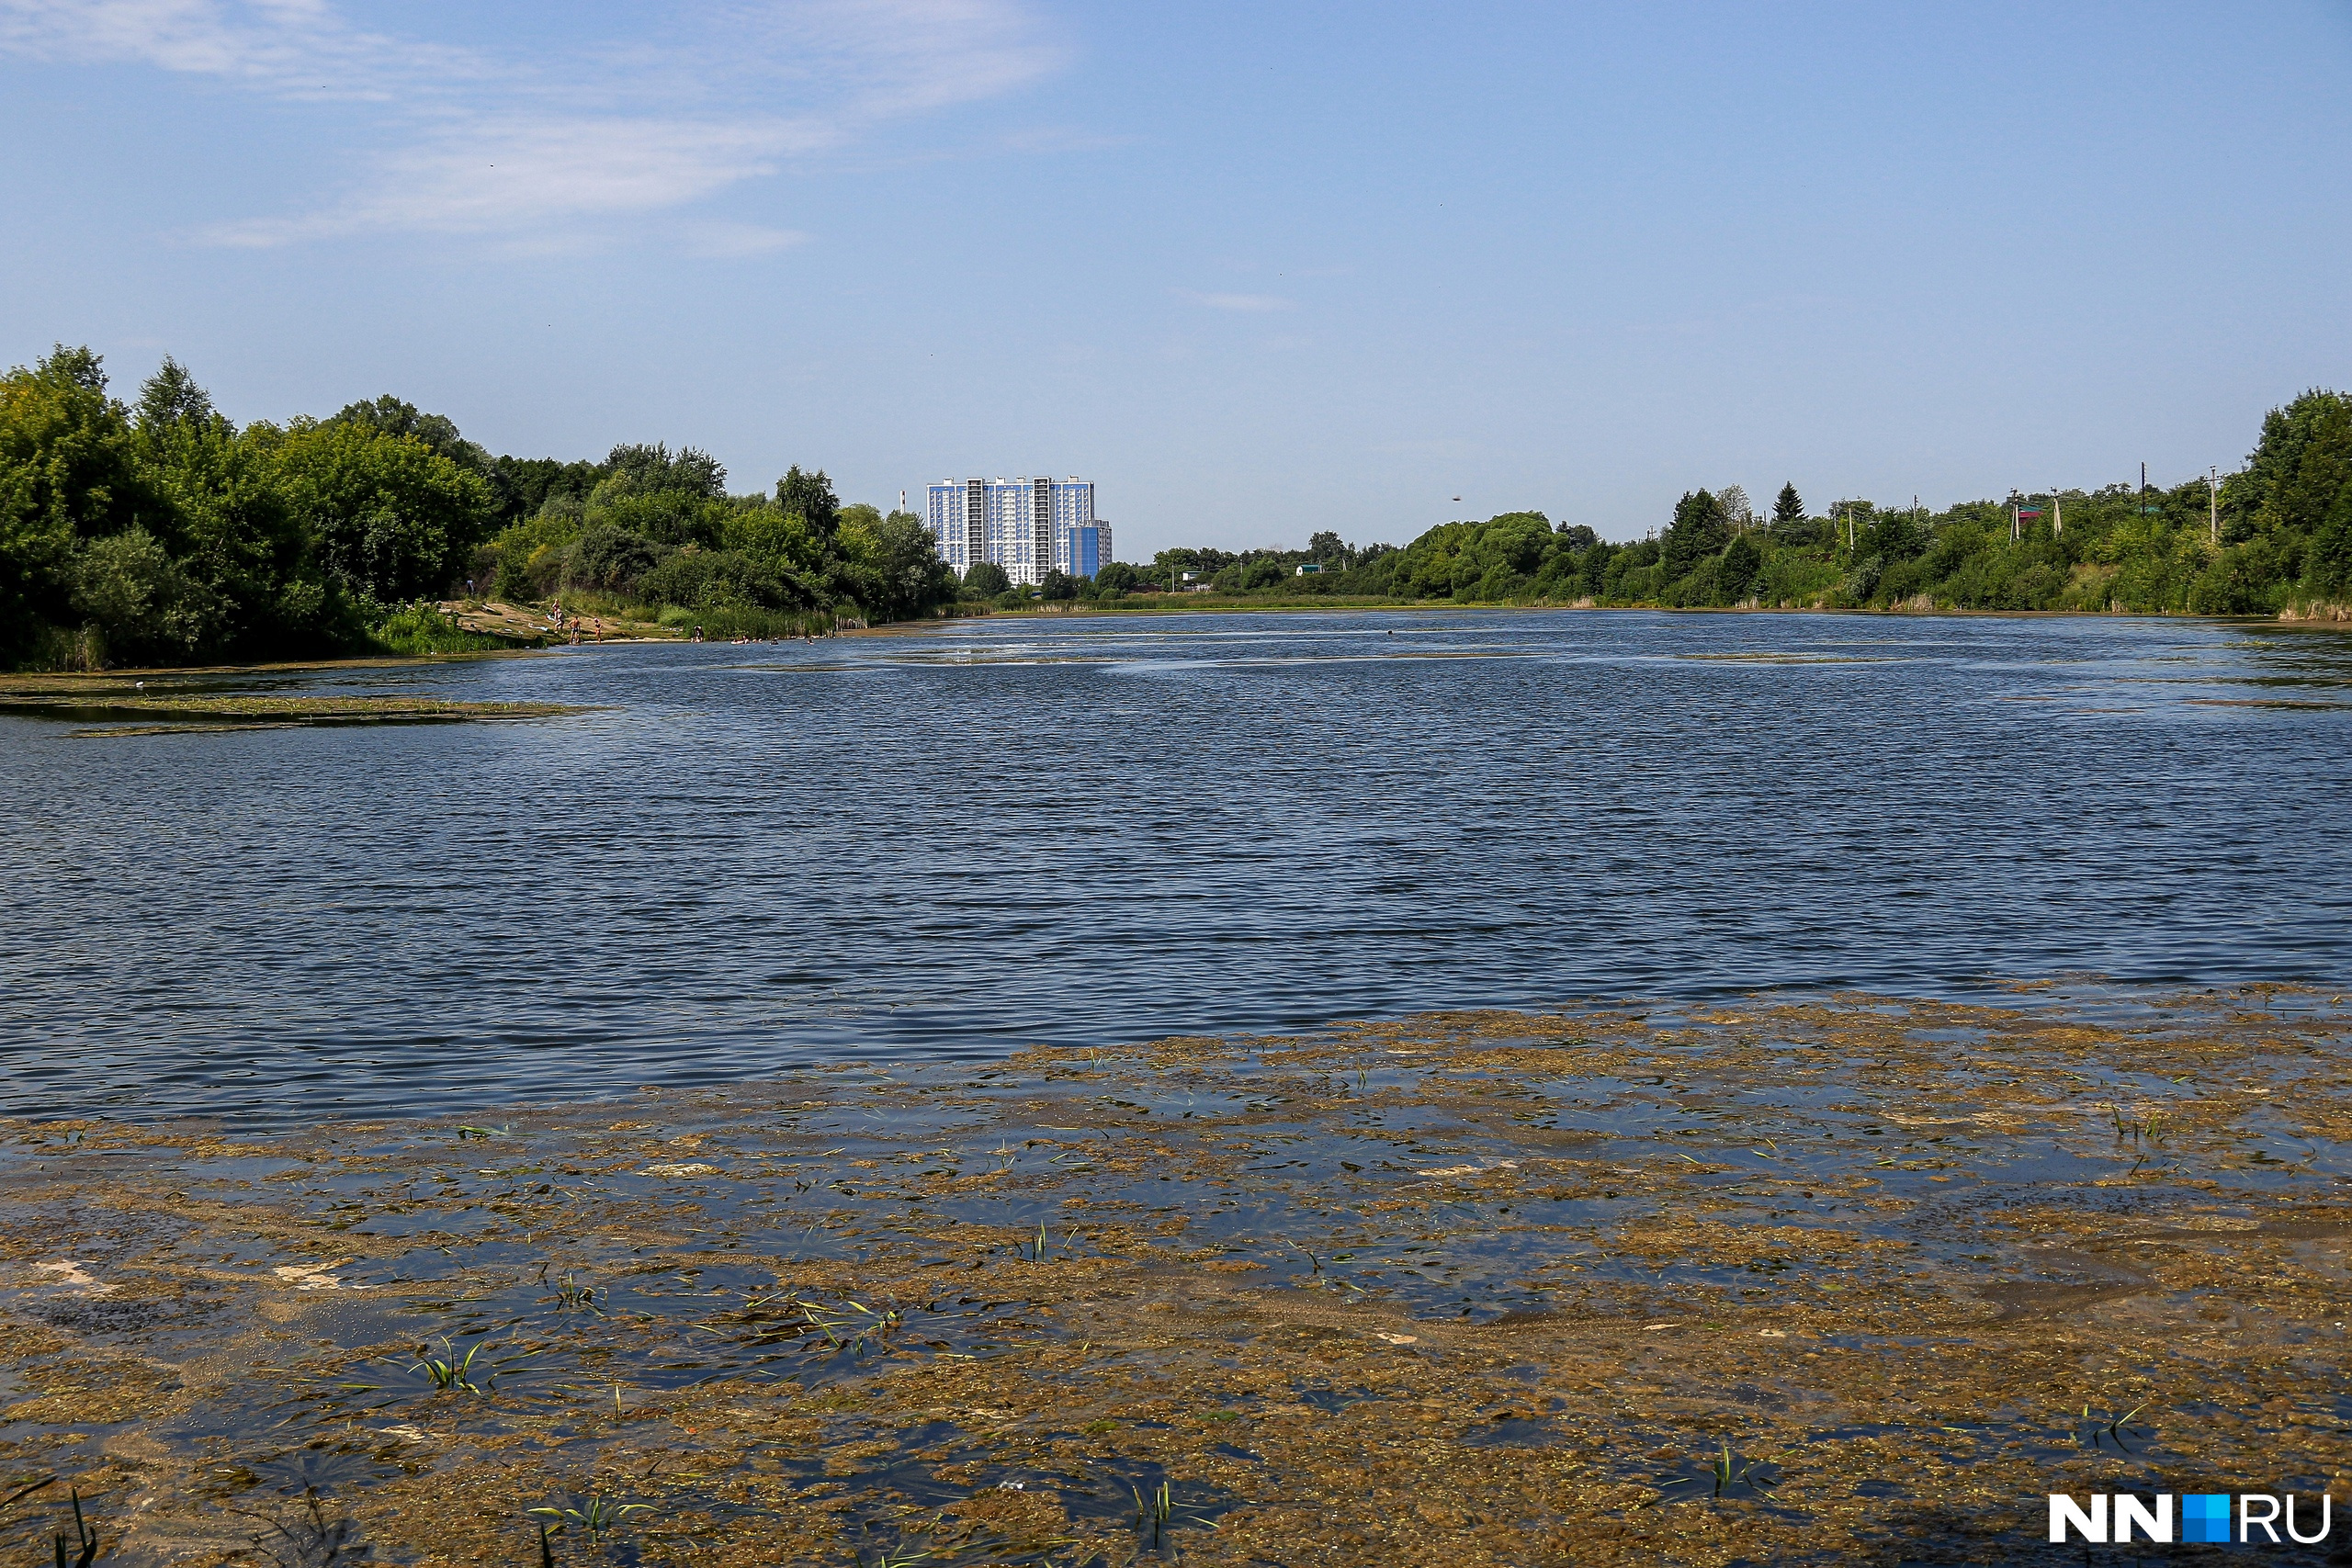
{"x":160,"y":532}
{"x":2273,"y":538}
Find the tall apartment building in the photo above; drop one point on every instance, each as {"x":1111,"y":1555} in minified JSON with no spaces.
{"x":1029,"y":526}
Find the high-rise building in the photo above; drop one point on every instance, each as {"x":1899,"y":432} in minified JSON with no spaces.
{"x":1029,"y":526}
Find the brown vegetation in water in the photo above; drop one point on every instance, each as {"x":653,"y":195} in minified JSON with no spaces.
{"x":94,"y":697}
{"x":1837,"y":1281}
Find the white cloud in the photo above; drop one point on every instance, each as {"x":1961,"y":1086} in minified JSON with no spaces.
{"x":728,"y":242}
{"x":300,"y":49}
{"x":481,"y":145}
{"x":1235,"y":301}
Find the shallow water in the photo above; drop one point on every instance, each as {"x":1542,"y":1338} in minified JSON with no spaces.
{"x":953,"y":843}
{"x":1791,"y":1283}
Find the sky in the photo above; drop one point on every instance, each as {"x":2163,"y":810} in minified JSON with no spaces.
{"x":1256,"y":269}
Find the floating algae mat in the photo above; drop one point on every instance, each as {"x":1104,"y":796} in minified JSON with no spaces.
{"x":1790,"y":1281}
{"x":182,"y":708}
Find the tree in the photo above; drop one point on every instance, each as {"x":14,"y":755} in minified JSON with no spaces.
{"x":1326,"y":545}
{"x":1734,"y":501}
{"x":2298,"y":487}
{"x":171,"y":397}
{"x":1789,"y":508}
{"x":1699,"y":531}
{"x":1736,"y":570}
{"x":810,"y":496}
{"x":892,"y":564}
{"x":652,"y":470}
{"x":147,"y":608}
{"x":1117,"y":577}
{"x":226,"y":514}
{"x":68,"y":472}
{"x":1058,"y":585}
{"x":392,"y":518}
{"x":437,"y":433}
{"x":2330,"y":559}
{"x":529,"y":483}
{"x":984,"y":579}
{"x":606,"y":557}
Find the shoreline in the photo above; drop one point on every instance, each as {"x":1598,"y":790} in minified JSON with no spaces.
{"x":890,"y":628}
{"x":1804,"y":1279}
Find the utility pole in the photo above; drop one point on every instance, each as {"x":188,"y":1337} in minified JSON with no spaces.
{"x":2213,"y":501}
{"x":2057,"y":513}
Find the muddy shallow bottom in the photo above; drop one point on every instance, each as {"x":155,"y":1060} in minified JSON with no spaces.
{"x":1839,"y":1281}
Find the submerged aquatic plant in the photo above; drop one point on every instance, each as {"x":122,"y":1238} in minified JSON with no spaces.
{"x":572,"y":1296}
{"x":1156,"y":1513}
{"x":598,"y":1516}
{"x":903,"y":1557}
{"x":312,"y":1541}
{"x":86,"y":1540}
{"x":455,"y":1374}
{"x":2098,"y":1433}
{"x":1153,"y":1513}
{"x":1730,"y":1472}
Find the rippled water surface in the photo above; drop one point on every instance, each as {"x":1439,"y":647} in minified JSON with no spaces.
{"x":959,"y":841}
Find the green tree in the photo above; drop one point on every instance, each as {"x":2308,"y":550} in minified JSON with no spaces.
{"x":391,"y":518}
{"x":1789,"y":508}
{"x":1117,"y":577}
{"x":68,"y":472}
{"x":437,"y":433}
{"x":1735,"y":571}
{"x":149,"y":610}
{"x":170,"y":398}
{"x":984,"y":579}
{"x":653,"y":471}
{"x":810,"y":496}
{"x":232,"y":525}
{"x":1699,"y":531}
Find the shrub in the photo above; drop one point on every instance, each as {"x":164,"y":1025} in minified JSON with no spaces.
{"x":420,"y":628}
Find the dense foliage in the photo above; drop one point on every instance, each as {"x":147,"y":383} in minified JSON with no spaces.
{"x":2274,"y":538}
{"x":160,"y":532}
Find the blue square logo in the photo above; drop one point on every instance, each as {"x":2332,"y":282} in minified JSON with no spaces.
{"x":2205,"y":1516}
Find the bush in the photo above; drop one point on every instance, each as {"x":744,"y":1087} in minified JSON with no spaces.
{"x":147,"y":608}
{"x":612,"y":557}
{"x":712,"y":580}
{"x":420,"y":628}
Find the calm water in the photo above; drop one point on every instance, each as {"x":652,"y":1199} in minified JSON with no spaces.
{"x":959,"y":842}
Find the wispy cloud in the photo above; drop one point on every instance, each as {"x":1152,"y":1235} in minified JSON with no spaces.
{"x":1235,"y":301}
{"x":299,"y":48}
{"x":481,"y":144}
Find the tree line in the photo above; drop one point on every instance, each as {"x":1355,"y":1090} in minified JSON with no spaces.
{"x":2274,"y":536}
{"x":158,"y":532}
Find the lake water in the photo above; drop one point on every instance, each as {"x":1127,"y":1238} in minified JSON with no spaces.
{"x":957,"y":842}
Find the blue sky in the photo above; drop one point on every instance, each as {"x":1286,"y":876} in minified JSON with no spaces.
{"x":1256,"y":269}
